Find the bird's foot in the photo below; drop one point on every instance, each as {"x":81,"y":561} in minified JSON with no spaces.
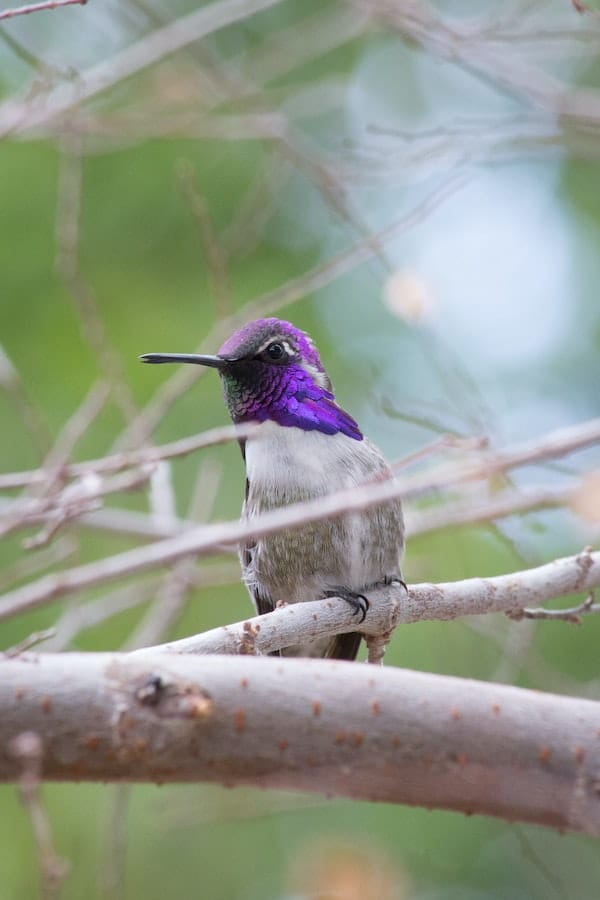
{"x":394,"y":579}
{"x":358,"y":602}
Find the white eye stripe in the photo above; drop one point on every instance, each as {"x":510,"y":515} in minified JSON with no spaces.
{"x":277,"y":340}
{"x":321,"y":378}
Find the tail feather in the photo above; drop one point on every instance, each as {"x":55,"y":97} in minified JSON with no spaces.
{"x":344,"y":646}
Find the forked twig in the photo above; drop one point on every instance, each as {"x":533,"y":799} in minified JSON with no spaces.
{"x":572,"y":615}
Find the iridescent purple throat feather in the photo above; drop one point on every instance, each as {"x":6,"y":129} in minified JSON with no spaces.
{"x":290,"y":395}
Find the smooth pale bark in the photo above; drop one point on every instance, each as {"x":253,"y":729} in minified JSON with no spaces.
{"x":336,"y":728}
{"x":392,"y":605}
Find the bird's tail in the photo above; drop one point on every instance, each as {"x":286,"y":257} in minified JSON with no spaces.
{"x":344,"y":646}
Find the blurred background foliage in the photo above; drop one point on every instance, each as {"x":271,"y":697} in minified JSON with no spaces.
{"x":178,"y":196}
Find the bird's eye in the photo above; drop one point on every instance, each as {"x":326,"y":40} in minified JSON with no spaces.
{"x":275,"y":351}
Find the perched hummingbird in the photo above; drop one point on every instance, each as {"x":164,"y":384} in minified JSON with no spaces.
{"x":305,"y":446}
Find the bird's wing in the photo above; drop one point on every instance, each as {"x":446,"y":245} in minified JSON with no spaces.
{"x":261,"y":599}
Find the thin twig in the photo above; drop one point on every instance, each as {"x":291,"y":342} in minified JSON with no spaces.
{"x":256,"y":207}
{"x":449,"y":40}
{"x":76,"y":498}
{"x":149,"y":50}
{"x":175,"y":587}
{"x":204,"y":540}
{"x":79,"y":616}
{"x":33,"y":563}
{"x":116,"y":841}
{"x":28,"y":748}
{"x":542,"y":674}
{"x":30,"y":59}
{"x":135,"y":458}
{"x":443,"y":442}
{"x":284,"y":295}
{"x":74,"y":429}
{"x":82,"y":616}
{"x":39,"y":7}
{"x":132,"y":523}
{"x":572,"y":615}
{"x":67,"y":232}
{"x":29,"y":642}
{"x":44,"y":490}
{"x":212,"y":247}
{"x":508,"y":503}
{"x":31,"y":418}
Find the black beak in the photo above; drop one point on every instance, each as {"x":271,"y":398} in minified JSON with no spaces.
{"x":215,"y":362}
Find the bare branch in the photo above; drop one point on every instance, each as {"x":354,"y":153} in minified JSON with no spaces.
{"x":306,"y":40}
{"x":291,"y":623}
{"x":32,"y":420}
{"x":116,"y":841}
{"x":257,"y":206}
{"x":311,"y":725}
{"x":133,"y":458}
{"x":390,"y":606}
{"x":80,"y":616}
{"x":27,"y":749}
{"x":210,"y":242}
{"x":277,"y":299}
{"x":200,"y":541}
{"x":76,"y":498}
{"x":554,"y":444}
{"x":572,"y":615}
{"x":16,"y":117}
{"x":74,"y":429}
{"x":174,"y":589}
{"x":44,"y":492}
{"x":39,"y":7}
{"x":67,"y":229}
{"x":443,"y":442}
{"x":502,"y":593}
{"x":33,"y":563}
{"x":449,"y":40}
{"x":508,"y":503}
{"x":37,"y":637}
{"x":129,"y":522}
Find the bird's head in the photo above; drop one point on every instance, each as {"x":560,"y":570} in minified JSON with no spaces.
{"x":270,"y":370}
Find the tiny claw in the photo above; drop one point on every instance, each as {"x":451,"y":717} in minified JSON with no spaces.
{"x":358,"y":602}
{"x":394,"y":579}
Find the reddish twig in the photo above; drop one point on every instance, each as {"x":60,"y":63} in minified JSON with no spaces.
{"x":38,"y":7}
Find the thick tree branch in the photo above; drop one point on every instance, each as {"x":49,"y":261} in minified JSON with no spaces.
{"x":329,"y":727}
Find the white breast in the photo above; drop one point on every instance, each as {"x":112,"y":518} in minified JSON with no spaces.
{"x":290,"y":457}
{"x":287,"y":465}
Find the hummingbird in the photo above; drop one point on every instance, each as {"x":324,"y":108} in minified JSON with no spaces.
{"x":305,"y":446}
